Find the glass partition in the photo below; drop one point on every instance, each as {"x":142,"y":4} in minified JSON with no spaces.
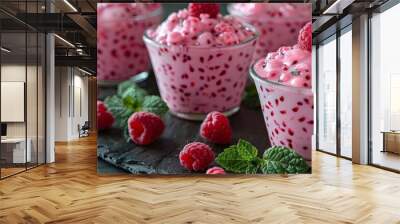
{"x":22,"y":101}
{"x":385,"y":89}
{"x":327,"y":96}
{"x":31,"y":99}
{"x":14,"y":151}
{"x":346,"y":94}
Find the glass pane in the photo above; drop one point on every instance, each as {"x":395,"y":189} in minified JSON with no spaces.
{"x":41,"y":99}
{"x":385,"y":114}
{"x":314,"y":89}
{"x":13,"y":87}
{"x":327,"y":96}
{"x":346,"y":94}
{"x":31,"y":99}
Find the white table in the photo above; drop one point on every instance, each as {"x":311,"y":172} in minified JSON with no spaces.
{"x":18,"y":144}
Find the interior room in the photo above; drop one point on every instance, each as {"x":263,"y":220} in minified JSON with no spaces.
{"x":22,"y":100}
{"x":385,"y":87}
{"x":49,"y":147}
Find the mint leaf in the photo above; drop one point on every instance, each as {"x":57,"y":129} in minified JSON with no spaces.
{"x":282,"y":160}
{"x":133,"y":97}
{"x":250,"y":98}
{"x":130,"y":99}
{"x":120,"y":112}
{"x":154,"y":104}
{"x":240,"y":158}
{"x":123,"y":86}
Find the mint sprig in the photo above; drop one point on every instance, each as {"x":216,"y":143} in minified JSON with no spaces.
{"x":283,"y":160}
{"x":243,"y":158}
{"x":130,"y":99}
{"x":119,"y":110}
{"x":154,"y":104}
{"x":240,"y":158}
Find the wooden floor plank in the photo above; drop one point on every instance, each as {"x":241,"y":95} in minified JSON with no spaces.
{"x":70,"y":191}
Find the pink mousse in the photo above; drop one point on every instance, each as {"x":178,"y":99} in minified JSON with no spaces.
{"x":290,"y":66}
{"x":278,"y":23}
{"x":112,"y":11}
{"x":272,"y":11}
{"x":182,"y":29}
{"x":121,"y":52}
{"x":201,"y":63}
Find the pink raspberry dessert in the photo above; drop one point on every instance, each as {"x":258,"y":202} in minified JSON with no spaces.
{"x":201,"y":61}
{"x":121,"y":53}
{"x":283,"y":81}
{"x":278,"y":23}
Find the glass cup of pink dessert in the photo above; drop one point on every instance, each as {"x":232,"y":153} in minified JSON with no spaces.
{"x":201,"y":60}
{"x":121,"y":52}
{"x":283,"y":81}
{"x":278,"y":23}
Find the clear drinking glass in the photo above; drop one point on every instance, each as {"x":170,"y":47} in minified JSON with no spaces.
{"x":121,"y":53}
{"x":279,"y":27}
{"x":288,"y":113}
{"x":195,"y":80}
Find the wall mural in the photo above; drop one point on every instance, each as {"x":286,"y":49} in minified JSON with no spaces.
{"x":204,"y":88}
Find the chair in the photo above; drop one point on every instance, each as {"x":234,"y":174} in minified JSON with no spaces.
{"x":84,"y":130}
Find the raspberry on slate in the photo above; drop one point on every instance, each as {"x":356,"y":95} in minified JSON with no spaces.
{"x":145,"y":127}
{"x":216,"y":128}
{"x":195,"y":9}
{"x":305,"y":37}
{"x":215,"y":170}
{"x":105,"y":119}
{"x":196,"y":156}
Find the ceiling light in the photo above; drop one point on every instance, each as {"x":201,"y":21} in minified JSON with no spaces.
{"x":337,"y":7}
{"x":65,"y":41}
{"x":84,"y":71}
{"x":70,"y":5}
{"x":5,"y":50}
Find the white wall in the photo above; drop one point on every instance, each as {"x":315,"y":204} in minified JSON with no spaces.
{"x":71,"y":93}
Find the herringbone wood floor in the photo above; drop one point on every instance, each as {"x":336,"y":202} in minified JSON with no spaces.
{"x":70,"y":191}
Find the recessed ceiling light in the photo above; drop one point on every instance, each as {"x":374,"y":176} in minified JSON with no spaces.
{"x":70,"y":5}
{"x":64,"y":40}
{"x":84,"y":71}
{"x":338,"y":6}
{"x":5,"y":50}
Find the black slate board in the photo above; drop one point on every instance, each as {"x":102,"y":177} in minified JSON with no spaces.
{"x":161,"y":157}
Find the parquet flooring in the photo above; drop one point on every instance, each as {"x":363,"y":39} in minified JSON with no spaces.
{"x":70,"y":191}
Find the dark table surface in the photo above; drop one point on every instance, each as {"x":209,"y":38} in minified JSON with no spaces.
{"x":161,"y":157}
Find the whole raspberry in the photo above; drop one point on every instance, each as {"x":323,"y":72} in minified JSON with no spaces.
{"x":215,"y":170}
{"x":145,"y":127}
{"x":305,"y":37}
{"x":196,"y":156}
{"x":105,"y":119}
{"x":195,"y":9}
{"x":216,"y":128}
